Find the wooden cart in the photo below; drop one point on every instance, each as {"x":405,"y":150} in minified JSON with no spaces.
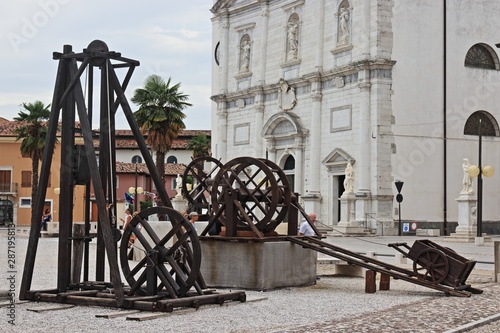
{"x":437,"y":264}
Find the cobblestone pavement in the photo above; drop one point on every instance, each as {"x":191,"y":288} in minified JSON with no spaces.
{"x":436,"y":314}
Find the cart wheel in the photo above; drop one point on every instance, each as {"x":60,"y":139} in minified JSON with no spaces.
{"x":172,"y":269}
{"x":431,"y":265}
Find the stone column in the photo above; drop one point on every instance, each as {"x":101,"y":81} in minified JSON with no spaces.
{"x":224,"y":24}
{"x":221,"y":149}
{"x":363,"y":193}
{"x":263,"y":49}
{"x":315,"y":130}
{"x":312,"y":198}
{"x":259,"y":114}
{"x":299,"y":162}
{"x":320,"y":36}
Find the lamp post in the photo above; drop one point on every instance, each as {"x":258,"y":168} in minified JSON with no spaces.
{"x":399,"y":199}
{"x":478,"y":171}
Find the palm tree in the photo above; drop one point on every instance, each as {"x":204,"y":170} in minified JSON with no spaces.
{"x":160,"y":115}
{"x":33,"y":132}
{"x":200,"y":145}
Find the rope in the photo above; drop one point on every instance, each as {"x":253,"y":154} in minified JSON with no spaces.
{"x":340,"y":232}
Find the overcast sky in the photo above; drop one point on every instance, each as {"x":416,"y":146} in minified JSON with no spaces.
{"x":169,"y":38}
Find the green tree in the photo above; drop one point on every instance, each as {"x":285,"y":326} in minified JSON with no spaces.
{"x":33,"y":132}
{"x":160,"y":115}
{"x":200,"y":145}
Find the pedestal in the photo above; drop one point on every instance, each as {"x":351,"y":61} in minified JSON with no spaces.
{"x":257,"y":265}
{"x":348,"y":223}
{"x":179,"y":203}
{"x":467,"y":220}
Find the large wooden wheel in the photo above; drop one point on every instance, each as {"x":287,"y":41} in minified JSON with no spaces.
{"x":199,"y":194}
{"x":431,"y":265}
{"x":173,"y":269}
{"x":262,"y":193}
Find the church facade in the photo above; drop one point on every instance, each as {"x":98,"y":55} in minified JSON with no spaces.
{"x":383,"y":90}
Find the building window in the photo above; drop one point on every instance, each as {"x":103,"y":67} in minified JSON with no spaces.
{"x":5,"y":180}
{"x":481,"y":56}
{"x":172,"y":159}
{"x":25,"y":202}
{"x":489,"y":125}
{"x":26,"y":178}
{"x":136,"y":159}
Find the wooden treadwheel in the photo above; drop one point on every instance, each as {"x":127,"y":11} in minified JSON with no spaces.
{"x":199,"y":194}
{"x":173,"y":269}
{"x":431,"y":265}
{"x":261,"y":193}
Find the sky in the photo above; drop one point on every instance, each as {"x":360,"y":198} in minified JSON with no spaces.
{"x":169,"y":38}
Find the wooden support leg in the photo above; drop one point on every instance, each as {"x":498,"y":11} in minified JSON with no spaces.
{"x":370,"y":283}
{"x":385,"y":282}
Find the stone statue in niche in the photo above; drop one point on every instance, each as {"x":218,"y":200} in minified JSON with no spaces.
{"x":467,"y":179}
{"x":286,"y":96}
{"x":293,"y":40}
{"x":245,"y":56}
{"x":343,"y":30}
{"x":349,"y":179}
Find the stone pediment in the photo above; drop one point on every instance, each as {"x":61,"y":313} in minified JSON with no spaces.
{"x":283,"y":124}
{"x":337,"y":160}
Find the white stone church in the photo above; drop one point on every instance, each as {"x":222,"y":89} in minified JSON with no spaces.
{"x":396,"y":88}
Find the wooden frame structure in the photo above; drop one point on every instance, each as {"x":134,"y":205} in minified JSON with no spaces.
{"x":68,"y":99}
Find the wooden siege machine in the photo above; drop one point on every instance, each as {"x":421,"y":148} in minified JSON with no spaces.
{"x":251,"y":197}
{"x":167,"y":277}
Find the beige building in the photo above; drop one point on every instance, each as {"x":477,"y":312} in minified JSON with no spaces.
{"x":15,"y":176}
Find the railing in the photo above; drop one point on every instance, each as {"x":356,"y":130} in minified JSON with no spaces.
{"x":8,"y":188}
{"x":372,"y":216}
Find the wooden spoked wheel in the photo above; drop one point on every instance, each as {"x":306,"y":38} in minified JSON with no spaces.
{"x":284,"y":196}
{"x":173,"y":269}
{"x":431,"y":265}
{"x":199,"y":194}
{"x":259,"y":195}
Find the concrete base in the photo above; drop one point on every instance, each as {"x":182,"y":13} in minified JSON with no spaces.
{"x":257,"y":265}
{"x":466,"y":237}
{"x":350,"y":230}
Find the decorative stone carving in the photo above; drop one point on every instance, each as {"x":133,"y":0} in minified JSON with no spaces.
{"x":245,"y":56}
{"x":286,"y":96}
{"x":178,"y":186}
{"x":293,"y":40}
{"x":343,"y":29}
{"x":339,"y":82}
{"x":349,"y":179}
{"x":467,"y":179}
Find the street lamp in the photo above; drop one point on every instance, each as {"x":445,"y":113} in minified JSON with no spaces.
{"x":132,"y":190}
{"x":479,"y":172}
